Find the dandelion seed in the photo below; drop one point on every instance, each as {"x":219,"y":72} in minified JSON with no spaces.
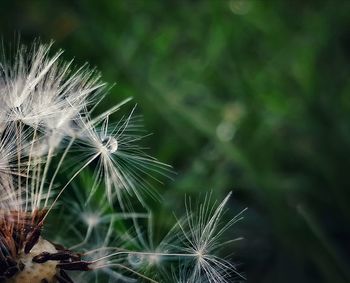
{"x":199,"y":235}
{"x":122,"y":163}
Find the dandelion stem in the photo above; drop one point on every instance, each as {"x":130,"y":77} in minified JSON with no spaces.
{"x":57,"y":170}
{"x":66,"y":185}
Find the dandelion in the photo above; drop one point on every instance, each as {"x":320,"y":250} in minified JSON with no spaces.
{"x":48,"y":127}
{"x":200,"y":236}
{"x":190,"y":247}
{"x":122,"y":164}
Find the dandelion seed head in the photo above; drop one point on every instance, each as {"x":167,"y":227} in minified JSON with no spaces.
{"x":48,"y":132}
{"x":35,"y":272}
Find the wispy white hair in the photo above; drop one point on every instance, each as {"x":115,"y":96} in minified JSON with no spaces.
{"x":46,"y":111}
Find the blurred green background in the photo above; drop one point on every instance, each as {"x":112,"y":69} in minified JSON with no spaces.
{"x":248,"y":96}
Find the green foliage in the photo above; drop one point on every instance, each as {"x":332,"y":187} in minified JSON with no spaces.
{"x":249,"y":96}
